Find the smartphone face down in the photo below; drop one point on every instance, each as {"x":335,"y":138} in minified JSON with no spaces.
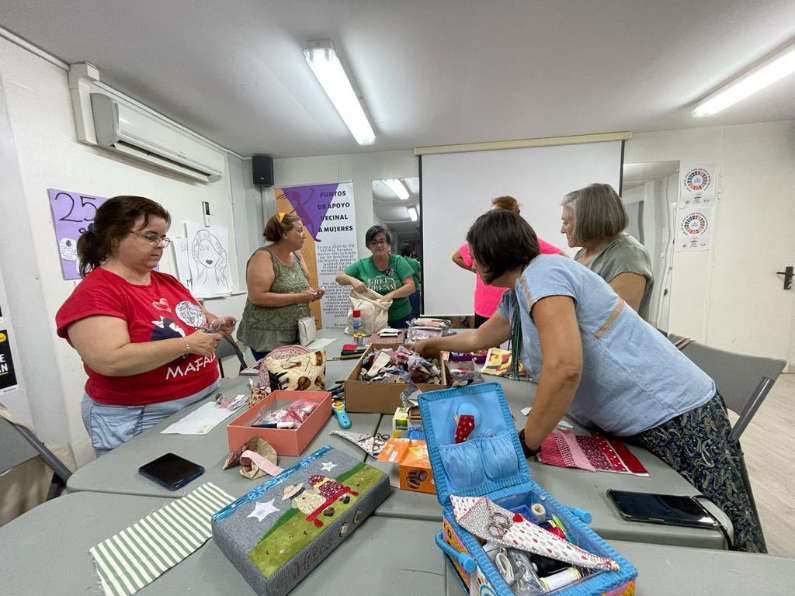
{"x":172,"y":471}
{"x":662,"y":509}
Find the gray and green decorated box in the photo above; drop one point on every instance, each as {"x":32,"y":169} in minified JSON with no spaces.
{"x":277,"y":533}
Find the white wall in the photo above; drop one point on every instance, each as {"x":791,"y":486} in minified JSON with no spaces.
{"x":730,"y":297}
{"x":49,"y":156}
{"x":360,"y":168}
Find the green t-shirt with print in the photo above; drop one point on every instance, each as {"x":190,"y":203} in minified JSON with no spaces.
{"x":385,"y":281}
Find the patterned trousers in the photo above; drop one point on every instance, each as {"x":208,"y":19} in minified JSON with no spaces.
{"x":696,"y":444}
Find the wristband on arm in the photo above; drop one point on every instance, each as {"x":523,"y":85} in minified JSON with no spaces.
{"x":528,"y":453}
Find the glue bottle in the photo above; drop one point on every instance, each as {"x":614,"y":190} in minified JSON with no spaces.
{"x":356,"y":323}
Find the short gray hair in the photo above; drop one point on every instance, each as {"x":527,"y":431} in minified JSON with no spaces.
{"x":598,"y":212}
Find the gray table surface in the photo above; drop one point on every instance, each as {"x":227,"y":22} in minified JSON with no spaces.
{"x":14,"y":448}
{"x":665,"y":570}
{"x":572,"y":487}
{"x":45,"y":551}
{"x":117,"y":472}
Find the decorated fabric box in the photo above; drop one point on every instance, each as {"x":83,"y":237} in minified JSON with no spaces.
{"x":501,"y":531}
{"x":277,"y":533}
{"x":381,"y":398}
{"x":286,"y":441}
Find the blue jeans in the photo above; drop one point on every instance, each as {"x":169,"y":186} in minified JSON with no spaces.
{"x":110,"y":426}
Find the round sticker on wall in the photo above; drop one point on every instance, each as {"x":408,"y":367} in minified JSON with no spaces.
{"x":190,"y":314}
{"x":68,"y":249}
{"x":697,"y":180}
{"x":694,"y":224}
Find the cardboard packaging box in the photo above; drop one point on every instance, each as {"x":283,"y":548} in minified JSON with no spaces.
{"x":279,"y":532}
{"x":414,"y":465}
{"x":381,"y":398}
{"x":286,"y":441}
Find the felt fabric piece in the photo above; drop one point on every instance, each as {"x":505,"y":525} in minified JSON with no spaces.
{"x":596,"y":452}
{"x":253,"y":465}
{"x":370,"y":444}
{"x":256,"y":444}
{"x":487,"y":520}
{"x":139,"y":554}
{"x":465,"y":425}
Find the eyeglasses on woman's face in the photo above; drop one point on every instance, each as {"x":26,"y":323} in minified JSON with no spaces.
{"x":154,"y":238}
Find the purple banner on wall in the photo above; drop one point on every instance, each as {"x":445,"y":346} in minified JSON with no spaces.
{"x":311,"y":204}
{"x":71,"y":213}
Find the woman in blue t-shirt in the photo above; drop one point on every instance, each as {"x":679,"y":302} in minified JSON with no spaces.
{"x":389,"y":275}
{"x":603,"y":365}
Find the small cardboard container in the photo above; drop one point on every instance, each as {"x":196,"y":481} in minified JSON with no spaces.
{"x":381,"y":398}
{"x":286,"y":441}
{"x":414,"y":465}
{"x":387,"y":342}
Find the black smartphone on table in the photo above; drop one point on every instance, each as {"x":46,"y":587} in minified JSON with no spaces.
{"x":674,"y":510}
{"x":171,"y":471}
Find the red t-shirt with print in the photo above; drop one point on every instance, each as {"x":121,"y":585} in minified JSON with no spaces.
{"x":162,"y":309}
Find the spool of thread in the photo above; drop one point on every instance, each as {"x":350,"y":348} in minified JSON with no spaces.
{"x":539,"y":511}
{"x":559,"y":579}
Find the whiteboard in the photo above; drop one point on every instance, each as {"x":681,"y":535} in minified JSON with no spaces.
{"x":458,"y":187}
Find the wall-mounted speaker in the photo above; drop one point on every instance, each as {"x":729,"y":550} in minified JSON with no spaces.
{"x":262,"y":168}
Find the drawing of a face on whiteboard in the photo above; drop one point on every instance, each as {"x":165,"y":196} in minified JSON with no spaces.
{"x":210,"y":257}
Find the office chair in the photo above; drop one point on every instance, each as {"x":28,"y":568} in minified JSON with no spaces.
{"x":228,"y":347}
{"x":743,"y":381}
{"x":18,"y":444}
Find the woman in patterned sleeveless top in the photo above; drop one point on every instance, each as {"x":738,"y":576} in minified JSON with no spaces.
{"x":278,"y":288}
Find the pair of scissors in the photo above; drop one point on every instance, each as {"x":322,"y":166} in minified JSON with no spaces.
{"x":499,"y":524}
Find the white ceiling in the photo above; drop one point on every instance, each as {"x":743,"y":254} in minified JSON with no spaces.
{"x":430,"y":71}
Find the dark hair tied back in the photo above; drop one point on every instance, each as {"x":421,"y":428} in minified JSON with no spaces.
{"x":115,"y":219}
{"x":501,"y":241}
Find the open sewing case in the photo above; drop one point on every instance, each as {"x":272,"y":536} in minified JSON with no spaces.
{"x":484,"y":484}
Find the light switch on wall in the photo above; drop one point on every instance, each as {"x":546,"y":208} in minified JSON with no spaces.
{"x":206,"y":212}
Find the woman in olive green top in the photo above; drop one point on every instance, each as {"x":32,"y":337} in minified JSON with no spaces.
{"x":594,"y":218}
{"x":278,"y":288}
{"x":389,"y":275}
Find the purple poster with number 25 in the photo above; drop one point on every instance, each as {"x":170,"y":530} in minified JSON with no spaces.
{"x":71,"y":214}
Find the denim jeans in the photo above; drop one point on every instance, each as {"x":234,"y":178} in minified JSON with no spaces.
{"x":110,"y":426}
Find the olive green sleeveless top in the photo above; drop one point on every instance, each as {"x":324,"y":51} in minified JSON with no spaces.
{"x":264,"y":327}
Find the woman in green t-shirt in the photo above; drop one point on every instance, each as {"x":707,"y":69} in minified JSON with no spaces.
{"x":389,"y":275}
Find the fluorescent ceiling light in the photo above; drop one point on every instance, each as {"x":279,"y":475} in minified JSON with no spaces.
{"x":397,"y":187}
{"x":323,"y":61}
{"x":412,"y":213}
{"x":767,"y":73}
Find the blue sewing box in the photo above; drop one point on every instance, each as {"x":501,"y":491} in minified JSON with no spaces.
{"x":491,"y":463}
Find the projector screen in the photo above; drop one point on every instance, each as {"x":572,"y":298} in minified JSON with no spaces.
{"x":458,"y":187}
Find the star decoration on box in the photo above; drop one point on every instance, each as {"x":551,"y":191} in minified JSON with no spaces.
{"x":263,"y":510}
{"x":328,"y":466}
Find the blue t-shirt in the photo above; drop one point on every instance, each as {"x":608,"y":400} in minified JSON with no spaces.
{"x":633,"y":378}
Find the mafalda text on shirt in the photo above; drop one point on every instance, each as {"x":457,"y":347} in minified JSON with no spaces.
{"x":194,"y":365}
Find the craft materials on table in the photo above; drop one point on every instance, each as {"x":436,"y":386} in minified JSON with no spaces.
{"x":279,"y":531}
{"x":595,"y":452}
{"x":414,"y":465}
{"x":139,"y":554}
{"x":400,"y":365}
{"x":370,"y":444}
{"x":485,"y":519}
{"x":204,"y":418}
{"x":498,"y":363}
{"x":338,"y":407}
{"x":256,"y":457}
{"x":290,"y":416}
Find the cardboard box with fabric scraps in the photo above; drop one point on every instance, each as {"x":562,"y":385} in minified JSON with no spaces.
{"x":380,"y":376}
{"x":287,"y":420}
{"x":414,"y":467}
{"x":277,"y":533}
{"x":501,"y":531}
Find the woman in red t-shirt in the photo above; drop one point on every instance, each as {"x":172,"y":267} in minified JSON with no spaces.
{"x":141,"y":335}
{"x":487,"y":298}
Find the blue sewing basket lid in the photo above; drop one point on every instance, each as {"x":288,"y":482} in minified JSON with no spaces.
{"x":490,"y":459}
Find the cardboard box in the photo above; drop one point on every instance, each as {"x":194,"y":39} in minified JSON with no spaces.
{"x":387,"y":342}
{"x":414,"y":465}
{"x":286,"y":441}
{"x":381,"y":398}
{"x":280,"y":531}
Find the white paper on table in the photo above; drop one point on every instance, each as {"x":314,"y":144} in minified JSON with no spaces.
{"x":319,"y":343}
{"x":199,"y":422}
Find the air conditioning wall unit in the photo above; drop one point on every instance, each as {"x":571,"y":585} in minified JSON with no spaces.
{"x":129,"y":130}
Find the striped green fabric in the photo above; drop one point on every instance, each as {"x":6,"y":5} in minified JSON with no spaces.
{"x":139,"y":554}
